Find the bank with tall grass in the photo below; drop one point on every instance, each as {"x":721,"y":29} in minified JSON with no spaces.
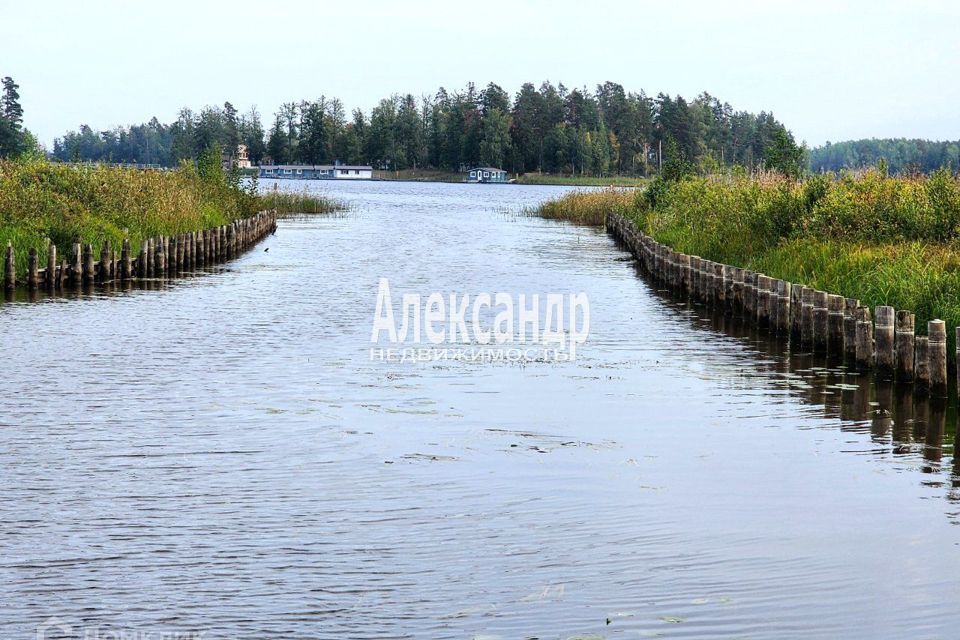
{"x":882,"y":239}
{"x":42,"y":202}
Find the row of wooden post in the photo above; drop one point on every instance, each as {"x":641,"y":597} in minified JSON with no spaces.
{"x":159,"y":257}
{"x":815,"y":320}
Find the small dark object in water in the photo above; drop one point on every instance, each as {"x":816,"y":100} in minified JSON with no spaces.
{"x":267,"y":249}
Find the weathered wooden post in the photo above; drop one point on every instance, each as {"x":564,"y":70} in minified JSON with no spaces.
{"x":885,"y":340}
{"x":749,"y":296}
{"x":709,"y":282}
{"x":835,"y":324}
{"x":773,"y":305}
{"x":718,"y":284}
{"x":796,"y":312}
{"x":937,"y":354}
{"x":33,"y":273}
{"x":821,"y":321}
{"x":806,"y":316}
{"x":172,"y":267}
{"x":105,"y":274}
{"x":76,"y":265}
{"x":675,"y":267}
{"x":683,"y":262}
{"x":694,"y":278}
{"x":864,"y":338}
{"x":151,"y":258}
{"x":784,"y":294}
{"x":904,"y":345}
{"x":88,"y":263}
{"x":51,"y":274}
{"x":921,"y":366}
{"x":737,"y":290}
{"x":9,"y":268}
{"x":728,"y":274}
{"x":762,"y":317}
{"x":160,"y":252}
{"x":850,"y":328}
{"x":167,"y":255}
{"x":142,"y":261}
{"x":125,"y":271}
{"x":958,"y":360}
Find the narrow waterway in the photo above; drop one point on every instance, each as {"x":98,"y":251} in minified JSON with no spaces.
{"x":221,"y":455}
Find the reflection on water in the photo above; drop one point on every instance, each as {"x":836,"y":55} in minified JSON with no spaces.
{"x":223,"y":456}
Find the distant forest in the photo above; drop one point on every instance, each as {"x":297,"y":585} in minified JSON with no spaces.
{"x":550,"y":129}
{"x":899,"y":154}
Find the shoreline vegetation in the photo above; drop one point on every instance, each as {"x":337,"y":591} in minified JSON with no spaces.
{"x":548,"y":179}
{"x":886,"y":240}
{"x":43,"y":202}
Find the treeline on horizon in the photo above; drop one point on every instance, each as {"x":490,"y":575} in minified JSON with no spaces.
{"x":900,"y":155}
{"x":547,"y":129}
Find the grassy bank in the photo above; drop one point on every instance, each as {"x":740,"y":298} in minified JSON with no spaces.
{"x":581,"y":181}
{"x":419,"y":175}
{"x":90,"y":204}
{"x":299,"y":202}
{"x":884,"y":240}
{"x":587,"y":207}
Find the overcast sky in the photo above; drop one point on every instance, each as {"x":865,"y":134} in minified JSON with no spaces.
{"x":830,"y":70}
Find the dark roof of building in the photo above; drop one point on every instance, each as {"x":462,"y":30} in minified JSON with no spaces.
{"x":487,"y":169}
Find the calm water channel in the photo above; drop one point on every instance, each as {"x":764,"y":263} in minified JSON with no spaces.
{"x":222,"y":456}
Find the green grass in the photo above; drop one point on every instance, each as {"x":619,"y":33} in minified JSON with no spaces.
{"x":883,"y":240}
{"x":419,"y":175}
{"x":42,"y":202}
{"x":582,"y":181}
{"x":587,"y":207}
{"x":287,"y":202}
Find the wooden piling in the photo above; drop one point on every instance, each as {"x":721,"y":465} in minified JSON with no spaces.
{"x":921,"y":366}
{"x":76,"y":265}
{"x":151,"y":258}
{"x":749,"y":295}
{"x":87,"y":266}
{"x":718,"y":284}
{"x":796,"y":312}
{"x":850,"y":306}
{"x":159,"y":255}
{"x":937,"y":357}
{"x":728,"y":273}
{"x":806,"y":316}
{"x":33,"y":273}
{"x":9,"y":268}
{"x":51,"y":274}
{"x":105,"y":275}
{"x":784,"y":296}
{"x":232,"y":236}
{"x":864,"y":338}
{"x":773,"y":305}
{"x":762,"y":317}
{"x":821,"y":325}
{"x":904,"y":346}
{"x":125,"y":270}
{"x":835,"y":305}
{"x":885,"y":341}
